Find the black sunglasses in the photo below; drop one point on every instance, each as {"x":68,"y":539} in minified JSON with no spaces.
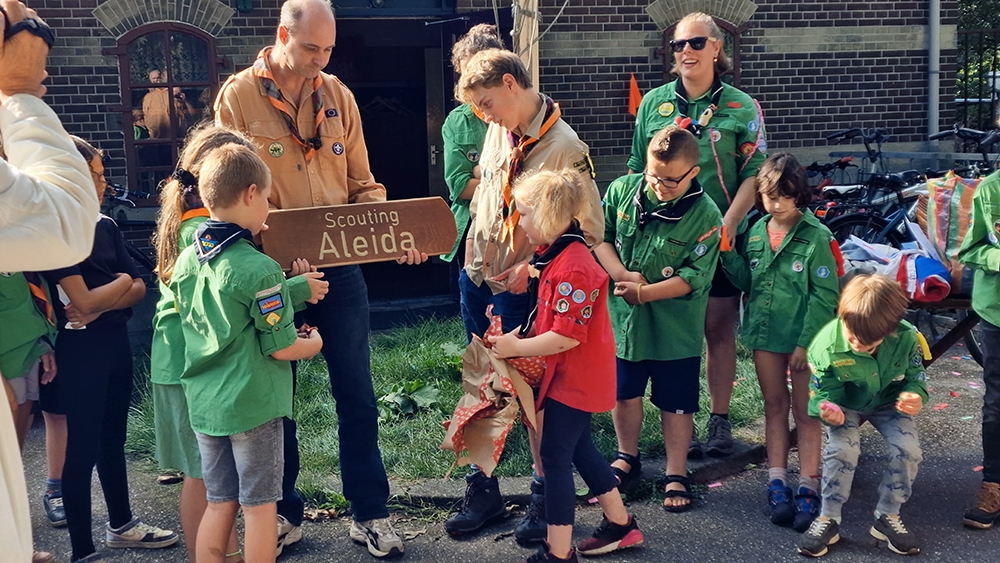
{"x":697,"y":43}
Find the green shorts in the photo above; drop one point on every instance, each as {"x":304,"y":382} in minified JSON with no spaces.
{"x":176,"y":445}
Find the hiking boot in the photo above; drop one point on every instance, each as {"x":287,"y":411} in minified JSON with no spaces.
{"x":543,"y":556}
{"x":53,"y":504}
{"x":533,"y":528}
{"x":137,"y":534}
{"x":987,"y":508}
{"x":288,"y":534}
{"x":720,"y":437}
{"x":378,"y":535}
{"x":482,"y":503}
{"x":891,"y":530}
{"x":807,"y":504}
{"x":779,"y":498}
{"x":695,"y":450}
{"x":611,"y":537}
{"x":816,"y":541}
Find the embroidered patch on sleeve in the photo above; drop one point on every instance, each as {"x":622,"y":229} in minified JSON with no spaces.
{"x":708,"y":234}
{"x":268,"y":291}
{"x":272,"y":318}
{"x":270,"y":304}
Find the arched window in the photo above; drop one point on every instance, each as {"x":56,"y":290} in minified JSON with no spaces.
{"x":169,"y":78}
{"x":732,"y":48}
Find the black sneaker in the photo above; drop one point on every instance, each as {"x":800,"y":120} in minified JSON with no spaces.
{"x":611,"y":537}
{"x":779,"y":499}
{"x":543,"y":556}
{"x":694,"y":449}
{"x":987,"y":508}
{"x":533,"y":528}
{"x":720,"y":437}
{"x":890,"y":529}
{"x":482,"y":504}
{"x":816,"y":541}
{"x":807,"y":504}
{"x":53,"y":504}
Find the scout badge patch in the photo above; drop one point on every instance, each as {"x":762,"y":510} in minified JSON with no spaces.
{"x":540,"y":262}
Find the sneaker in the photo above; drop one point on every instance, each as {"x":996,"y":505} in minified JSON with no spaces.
{"x":533,"y":528}
{"x":779,"y":499}
{"x":816,"y":541}
{"x":611,"y":537}
{"x":53,"y":504}
{"x":288,"y":534}
{"x":543,"y":556}
{"x":137,"y":534}
{"x":807,"y":504}
{"x":482,"y":504}
{"x":891,"y":530}
{"x":378,"y":534}
{"x":694,"y":448}
{"x":720,"y":437}
{"x":987,"y":508}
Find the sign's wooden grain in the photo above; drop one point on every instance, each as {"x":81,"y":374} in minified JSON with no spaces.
{"x":358,"y":233}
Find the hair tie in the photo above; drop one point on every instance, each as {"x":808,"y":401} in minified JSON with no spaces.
{"x":185,"y":178}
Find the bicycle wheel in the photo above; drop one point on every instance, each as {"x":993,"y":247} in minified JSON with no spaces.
{"x":972,"y":339}
{"x":866,"y":227}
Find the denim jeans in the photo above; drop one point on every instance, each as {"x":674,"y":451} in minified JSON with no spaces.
{"x":843,"y":447}
{"x":991,"y":401}
{"x":475,"y":299}
{"x":342,"y":321}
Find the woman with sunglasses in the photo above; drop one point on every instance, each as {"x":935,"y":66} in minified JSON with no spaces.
{"x":730,"y":131}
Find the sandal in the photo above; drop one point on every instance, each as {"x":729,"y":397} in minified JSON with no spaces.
{"x":628,"y":480}
{"x":170,"y":477}
{"x":670,"y":494}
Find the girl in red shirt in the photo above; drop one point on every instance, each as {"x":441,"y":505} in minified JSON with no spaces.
{"x":569,"y":325}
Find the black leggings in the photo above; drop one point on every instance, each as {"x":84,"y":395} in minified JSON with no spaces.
{"x":95,"y":369}
{"x":566,"y":442}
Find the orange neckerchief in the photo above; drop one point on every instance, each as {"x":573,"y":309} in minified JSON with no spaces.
{"x":262,"y":73}
{"x":478,"y":112}
{"x":521,"y":148}
{"x":39,"y":297}
{"x":196,"y":212}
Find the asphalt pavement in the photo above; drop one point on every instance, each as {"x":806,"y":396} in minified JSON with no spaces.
{"x":728,"y":524}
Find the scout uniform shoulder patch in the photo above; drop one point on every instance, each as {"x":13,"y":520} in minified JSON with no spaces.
{"x":823,"y":272}
{"x":587,"y":312}
{"x":747,"y":148}
{"x":472,"y":155}
{"x":562,"y":305}
{"x":701,"y":249}
{"x":708,"y":234}
{"x":270,"y":304}
{"x":565,"y":288}
{"x":843,"y":363}
{"x":595,"y":294}
{"x":666,"y":109}
{"x":579,"y":296}
{"x":338,"y":149}
{"x":753,"y":126}
{"x":331,"y":112}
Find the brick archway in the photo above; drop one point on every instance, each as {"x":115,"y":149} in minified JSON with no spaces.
{"x":122,"y":16}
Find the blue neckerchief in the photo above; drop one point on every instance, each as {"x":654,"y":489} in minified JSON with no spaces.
{"x":212,"y":237}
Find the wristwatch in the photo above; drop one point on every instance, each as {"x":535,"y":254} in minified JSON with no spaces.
{"x":31,"y":25}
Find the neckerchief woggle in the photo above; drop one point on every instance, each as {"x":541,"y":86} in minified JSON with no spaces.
{"x":538,"y":263}
{"x":681,"y":97}
{"x":212,"y":237}
{"x":262,"y":73}
{"x":521,"y":147}
{"x":667,"y":213}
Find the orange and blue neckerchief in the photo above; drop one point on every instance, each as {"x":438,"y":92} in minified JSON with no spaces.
{"x":521,"y":146}
{"x":262,"y":73}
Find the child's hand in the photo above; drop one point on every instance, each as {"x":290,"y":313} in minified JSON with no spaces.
{"x":630,"y":276}
{"x":48,"y":368}
{"x":909,"y":403}
{"x":798,"y":361}
{"x":505,"y":345}
{"x":831,"y":413}
{"x":305,"y":330}
{"x":314,"y":338}
{"x":412,"y":257}
{"x":301,"y":266}
{"x":318,"y":288}
{"x":78,"y":319}
{"x":629,"y":291}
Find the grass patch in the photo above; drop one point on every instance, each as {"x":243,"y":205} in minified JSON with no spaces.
{"x":427,"y":353}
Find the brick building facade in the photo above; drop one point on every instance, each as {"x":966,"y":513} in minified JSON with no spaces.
{"x":816,"y":66}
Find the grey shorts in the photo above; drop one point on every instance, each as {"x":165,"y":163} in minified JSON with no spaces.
{"x":26,"y":387}
{"x":247,"y":466}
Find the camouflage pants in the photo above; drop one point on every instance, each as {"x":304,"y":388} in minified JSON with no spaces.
{"x":843,"y":447}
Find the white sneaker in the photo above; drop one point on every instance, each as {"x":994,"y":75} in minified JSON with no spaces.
{"x":287,"y":534}
{"x":137,"y":534}
{"x":378,"y":534}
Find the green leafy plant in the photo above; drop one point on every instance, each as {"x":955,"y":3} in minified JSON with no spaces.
{"x":409,"y":398}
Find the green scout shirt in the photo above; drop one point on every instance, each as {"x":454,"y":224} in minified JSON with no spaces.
{"x":792,"y":292}
{"x":234,"y":314}
{"x":668,"y":329}
{"x":859,"y":381}
{"x":463,"y":133}
{"x":25,"y":334}
{"x":166,"y":357}
{"x":733,"y":145}
{"x":981,"y":249}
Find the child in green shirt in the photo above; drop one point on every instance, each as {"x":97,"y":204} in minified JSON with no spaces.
{"x":236,"y":320}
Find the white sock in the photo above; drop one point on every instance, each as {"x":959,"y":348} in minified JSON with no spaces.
{"x":779,"y":473}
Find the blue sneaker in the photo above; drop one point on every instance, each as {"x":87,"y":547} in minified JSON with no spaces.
{"x":53,"y":503}
{"x":779,"y":498}
{"x":807,"y":505}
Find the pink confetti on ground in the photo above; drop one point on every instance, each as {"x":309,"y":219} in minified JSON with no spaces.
{"x":940,"y":406}
{"x":592,"y":500}
{"x":954,"y":394}
{"x":956,"y":357}
{"x":974,"y":385}
{"x":956,"y":373}
{"x":977,"y":468}
{"x":714,"y":485}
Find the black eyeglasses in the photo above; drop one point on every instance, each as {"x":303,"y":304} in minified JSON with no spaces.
{"x":655,"y":180}
{"x":697,"y":43}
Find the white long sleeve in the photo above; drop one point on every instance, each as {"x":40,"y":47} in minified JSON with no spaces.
{"x":48,"y":203}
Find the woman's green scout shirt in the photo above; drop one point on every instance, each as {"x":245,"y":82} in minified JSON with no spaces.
{"x":23,"y":330}
{"x":234,"y":314}
{"x":792,"y":292}
{"x":859,"y":381}
{"x":463,"y":133}
{"x":668,"y":329}
{"x":981,"y":249}
{"x":733,"y":145}
{"x":166,"y":357}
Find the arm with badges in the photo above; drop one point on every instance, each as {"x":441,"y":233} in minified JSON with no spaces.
{"x":573,"y":302}
{"x":824,"y":290}
{"x":461,"y":153}
{"x":272,"y":314}
{"x":751,"y":142}
{"x":981,"y":247}
{"x":699,"y":266}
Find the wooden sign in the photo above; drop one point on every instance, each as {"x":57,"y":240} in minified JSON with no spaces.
{"x":358,"y":233}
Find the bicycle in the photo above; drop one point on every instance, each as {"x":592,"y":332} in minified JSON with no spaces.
{"x":119,"y":204}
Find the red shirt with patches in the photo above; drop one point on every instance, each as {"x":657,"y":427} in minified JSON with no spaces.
{"x":573,"y":302}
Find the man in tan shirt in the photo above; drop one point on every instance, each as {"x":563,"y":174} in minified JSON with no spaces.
{"x":525,"y":133}
{"x":308,"y":129}
{"x":156,"y":107}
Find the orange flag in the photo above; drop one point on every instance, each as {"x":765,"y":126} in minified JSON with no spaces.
{"x":634,"y":96}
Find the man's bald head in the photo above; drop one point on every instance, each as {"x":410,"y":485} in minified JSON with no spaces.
{"x":293,"y":12}
{"x":307,"y":34}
